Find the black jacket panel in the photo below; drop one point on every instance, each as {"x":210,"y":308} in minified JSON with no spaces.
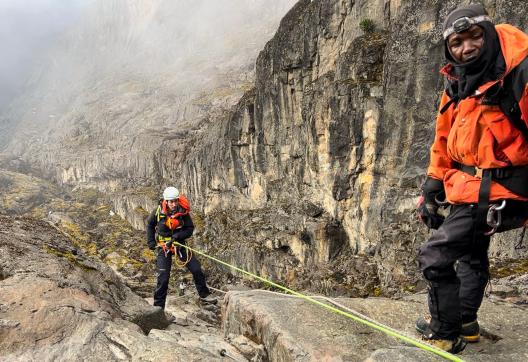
{"x":179,"y":234}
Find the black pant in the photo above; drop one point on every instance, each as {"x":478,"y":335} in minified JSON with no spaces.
{"x":164,"y":264}
{"x":455,"y":264}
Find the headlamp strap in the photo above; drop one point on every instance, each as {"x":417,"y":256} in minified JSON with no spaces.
{"x":462,"y":24}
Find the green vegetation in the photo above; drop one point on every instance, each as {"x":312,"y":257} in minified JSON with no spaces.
{"x":84,"y":217}
{"x":73,"y":259}
{"x":509,"y":267}
{"x":77,"y":237}
{"x":89,"y":196}
{"x":367,"y":25}
{"x":198,"y":220}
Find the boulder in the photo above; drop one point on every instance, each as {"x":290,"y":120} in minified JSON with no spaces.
{"x":58,"y":304}
{"x":292,"y":329}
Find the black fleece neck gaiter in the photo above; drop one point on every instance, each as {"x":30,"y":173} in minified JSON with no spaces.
{"x":488,"y":66}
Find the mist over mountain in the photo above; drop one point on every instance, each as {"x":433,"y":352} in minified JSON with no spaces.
{"x":27,"y":30}
{"x":183,"y":46}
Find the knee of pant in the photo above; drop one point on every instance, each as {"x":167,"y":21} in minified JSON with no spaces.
{"x":163,"y":274}
{"x":439,"y":275}
{"x":194,"y":268}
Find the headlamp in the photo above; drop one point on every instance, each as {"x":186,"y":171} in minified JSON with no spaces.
{"x":462,"y":24}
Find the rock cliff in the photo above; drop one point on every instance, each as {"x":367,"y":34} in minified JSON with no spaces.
{"x":322,"y":159}
{"x":59,"y":304}
{"x":309,"y":178}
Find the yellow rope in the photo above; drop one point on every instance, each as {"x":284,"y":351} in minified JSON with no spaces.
{"x":181,"y":264}
{"x":372,"y":324}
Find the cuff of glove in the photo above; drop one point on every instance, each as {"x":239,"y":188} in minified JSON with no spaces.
{"x":431,"y":219}
{"x":432,"y":185}
{"x":431,"y":189}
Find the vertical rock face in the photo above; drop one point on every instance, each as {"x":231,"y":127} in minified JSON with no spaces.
{"x":131,"y":84}
{"x":340,"y":119}
{"x":311,"y":177}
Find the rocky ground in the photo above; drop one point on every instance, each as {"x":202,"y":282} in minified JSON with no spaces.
{"x":75,"y":279}
{"x":294,"y":330}
{"x":58,"y":303}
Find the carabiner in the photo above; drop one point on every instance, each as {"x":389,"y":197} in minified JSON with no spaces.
{"x":494,"y":217}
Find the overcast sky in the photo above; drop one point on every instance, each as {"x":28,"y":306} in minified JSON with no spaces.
{"x":164,"y":32}
{"x":27,"y":27}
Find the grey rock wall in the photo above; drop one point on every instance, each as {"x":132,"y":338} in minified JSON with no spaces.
{"x":340,"y":119}
{"x":310,"y":176}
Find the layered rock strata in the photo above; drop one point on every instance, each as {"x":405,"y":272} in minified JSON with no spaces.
{"x":314,"y":173}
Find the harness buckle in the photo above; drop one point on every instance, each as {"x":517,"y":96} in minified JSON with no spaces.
{"x":478,"y":172}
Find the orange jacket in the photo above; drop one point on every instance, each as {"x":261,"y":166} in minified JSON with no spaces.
{"x":480,"y":135}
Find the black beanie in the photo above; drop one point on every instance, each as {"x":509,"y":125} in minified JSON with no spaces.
{"x":489,"y":65}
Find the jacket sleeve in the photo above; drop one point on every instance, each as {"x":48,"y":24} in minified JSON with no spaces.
{"x":186,"y":230}
{"x":440,"y":162}
{"x":523,"y":102}
{"x":151,"y":223}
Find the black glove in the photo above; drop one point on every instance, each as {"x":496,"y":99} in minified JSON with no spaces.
{"x":152,"y":246}
{"x":176,"y":239}
{"x":427,"y":207}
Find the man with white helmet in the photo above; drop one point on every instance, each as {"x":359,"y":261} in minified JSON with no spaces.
{"x":171,"y":222}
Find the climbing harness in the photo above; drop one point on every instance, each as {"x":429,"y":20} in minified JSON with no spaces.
{"x":354,"y":316}
{"x":165,"y":243}
{"x":167,"y":246}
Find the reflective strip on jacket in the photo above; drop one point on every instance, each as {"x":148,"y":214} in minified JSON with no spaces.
{"x":480,"y":135}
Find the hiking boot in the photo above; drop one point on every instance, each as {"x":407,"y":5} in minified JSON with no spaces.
{"x":470,"y":332}
{"x":209,"y":299}
{"x":452,"y":346}
{"x":170,"y":317}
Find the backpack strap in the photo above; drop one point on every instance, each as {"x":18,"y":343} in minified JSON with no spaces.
{"x":508,"y":102}
{"x":451,"y":91}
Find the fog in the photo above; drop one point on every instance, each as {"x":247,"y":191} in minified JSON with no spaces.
{"x":166,"y":61}
{"x":27,"y":29}
{"x":58,"y":42}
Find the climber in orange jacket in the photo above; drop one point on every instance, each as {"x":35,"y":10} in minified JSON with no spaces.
{"x":478,"y":166}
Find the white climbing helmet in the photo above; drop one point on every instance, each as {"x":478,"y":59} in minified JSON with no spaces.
{"x":171,"y":193}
